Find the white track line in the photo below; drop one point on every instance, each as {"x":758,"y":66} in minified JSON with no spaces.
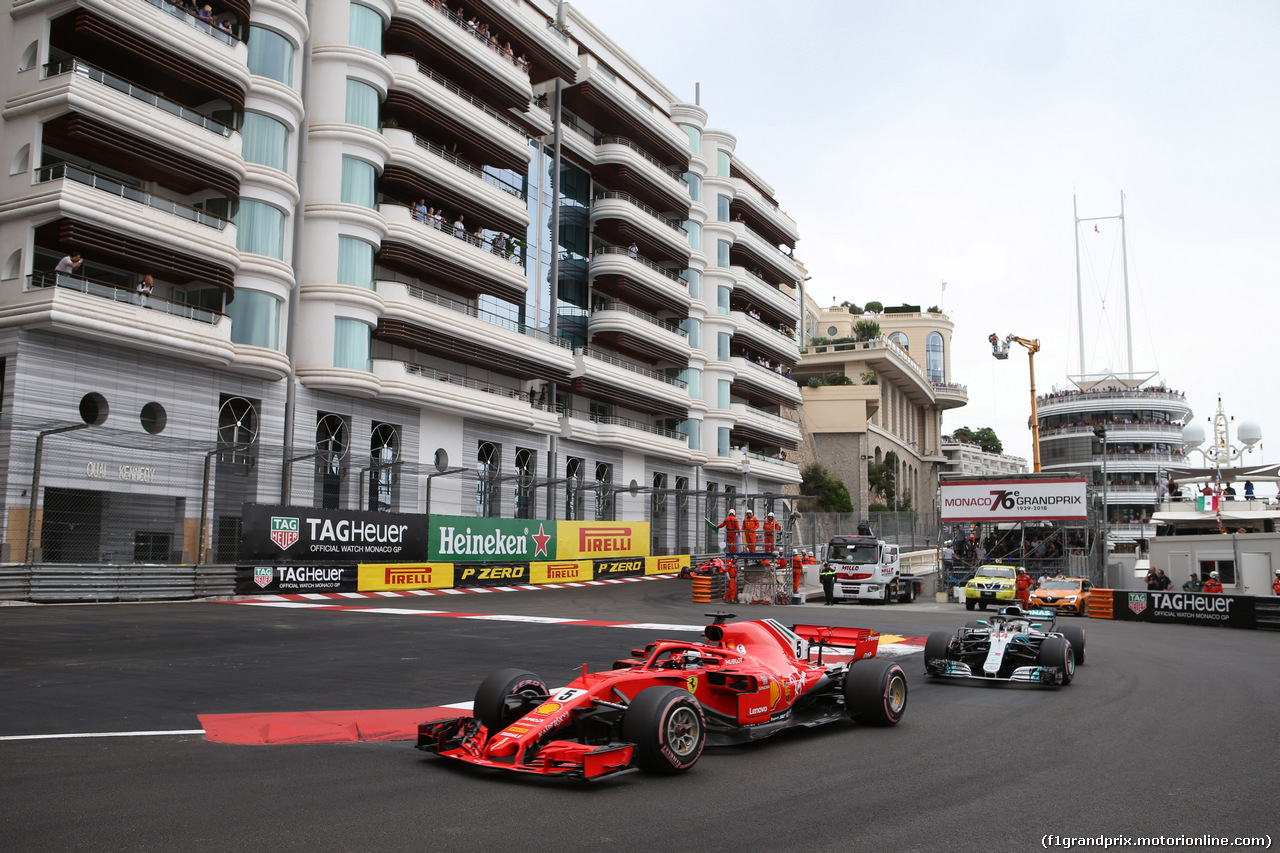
{"x":103,"y":734}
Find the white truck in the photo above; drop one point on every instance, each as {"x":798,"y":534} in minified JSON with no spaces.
{"x":868,"y":569}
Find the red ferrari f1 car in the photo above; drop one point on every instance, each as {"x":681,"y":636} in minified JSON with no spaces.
{"x":657,"y":710}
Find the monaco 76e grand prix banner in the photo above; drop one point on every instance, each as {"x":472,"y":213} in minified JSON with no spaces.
{"x":1014,"y":500}
{"x":300,"y":549}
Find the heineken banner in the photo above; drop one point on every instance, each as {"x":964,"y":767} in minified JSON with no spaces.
{"x":1187,"y":608}
{"x":462,"y":539}
{"x":261,"y":580}
{"x":293,"y":534}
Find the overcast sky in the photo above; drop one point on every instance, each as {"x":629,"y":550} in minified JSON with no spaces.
{"x":916,"y":143}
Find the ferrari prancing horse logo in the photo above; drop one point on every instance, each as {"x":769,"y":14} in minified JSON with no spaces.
{"x":691,"y":683}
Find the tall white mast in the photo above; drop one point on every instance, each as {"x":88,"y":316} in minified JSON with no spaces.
{"x":1079,"y":295}
{"x":1124,"y":265}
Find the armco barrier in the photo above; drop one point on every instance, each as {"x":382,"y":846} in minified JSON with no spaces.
{"x":1189,"y":608}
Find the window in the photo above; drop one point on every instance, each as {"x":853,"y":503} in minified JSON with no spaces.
{"x":722,"y":441}
{"x":259,"y":229}
{"x":357,"y":181}
{"x":692,"y":377}
{"x":366,"y":28}
{"x":693,"y":329}
{"x":722,"y":208}
{"x":1226,"y":570}
{"x":355,"y":262}
{"x":351,"y":344}
{"x":722,"y":299}
{"x":935,"y":361}
{"x":722,"y":163}
{"x":384,"y":453}
{"x":722,"y":253}
{"x":900,"y":339}
{"x":695,"y":138}
{"x":693,"y":431}
{"x":604,"y":492}
{"x":722,"y":345}
{"x":526,"y":470}
{"x":694,"y":278}
{"x":695,"y":186}
{"x":270,"y":55}
{"x":362,"y":104}
{"x":333,"y":440}
{"x":832,"y":331}
{"x":265,"y":141}
{"x":722,"y":393}
{"x":573,"y":489}
{"x":255,"y":319}
{"x":694,"y":230}
{"x":488,"y":471}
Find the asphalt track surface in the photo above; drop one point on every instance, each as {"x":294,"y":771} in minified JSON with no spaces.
{"x":1167,"y":730}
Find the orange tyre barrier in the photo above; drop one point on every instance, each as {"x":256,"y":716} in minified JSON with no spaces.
{"x":702,"y":588}
{"x":1100,"y":604}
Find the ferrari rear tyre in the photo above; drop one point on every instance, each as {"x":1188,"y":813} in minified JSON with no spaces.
{"x":875,"y":692}
{"x":505,"y":696}
{"x":969,"y":603}
{"x":1057,"y":652}
{"x":668,"y":727}
{"x":1075,"y":636}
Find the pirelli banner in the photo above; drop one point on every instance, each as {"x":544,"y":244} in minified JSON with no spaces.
{"x":374,"y":577}
{"x":1185,"y":608}
{"x":1014,"y":500}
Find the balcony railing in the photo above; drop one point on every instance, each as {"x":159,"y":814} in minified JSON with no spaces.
{"x":1087,"y":429}
{"x":427,"y":372}
{"x":475,"y":170}
{"x":116,"y":188}
{"x":615,"y":250}
{"x":486,"y":316}
{"x":772,"y":460}
{"x":951,"y":386}
{"x":103,"y":290}
{"x":608,"y":359}
{"x":97,"y":75}
{"x":763,"y":414}
{"x":485,"y":243}
{"x":875,"y":343}
{"x":788,"y":335}
{"x":785,"y":290}
{"x":626,"y":422}
{"x":194,"y":21}
{"x":674,"y":224}
{"x":453,"y":88}
{"x":491,"y":43}
{"x":1126,"y":394}
{"x":611,"y":305}
{"x":622,"y":140}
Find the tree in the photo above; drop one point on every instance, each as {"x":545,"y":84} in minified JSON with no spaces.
{"x":882,"y":477}
{"x":874,"y":307}
{"x":829,"y":493}
{"x":985,"y":438}
{"x":865,"y":330}
{"x":853,"y":309}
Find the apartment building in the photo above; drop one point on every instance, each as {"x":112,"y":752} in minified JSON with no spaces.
{"x":866,"y":396}
{"x":383,"y":255}
{"x":967,"y":458}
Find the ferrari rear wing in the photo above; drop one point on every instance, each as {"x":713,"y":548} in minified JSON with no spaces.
{"x":864,"y":641}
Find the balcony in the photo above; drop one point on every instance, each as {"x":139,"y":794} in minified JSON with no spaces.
{"x":754,"y":250}
{"x":622,"y":275}
{"x":1082,"y":402}
{"x":630,"y":165}
{"x":890,"y":362}
{"x":756,"y":382}
{"x":645,"y":336}
{"x":621,"y":218}
{"x":770,"y":468}
{"x":418,"y":29}
{"x":446,"y":179}
{"x":760,"y":336}
{"x":615,"y":110}
{"x":85,"y":308}
{"x":600,"y":376}
{"x":950,"y":395}
{"x":764,"y":427}
{"x":751,"y":288}
{"x":134,"y":229}
{"x":550,"y":53}
{"x":422,"y":386}
{"x":1154,"y":431}
{"x":423,"y":320}
{"x":435,"y":102}
{"x":626,"y":434}
{"x":466,"y":265}
{"x":771,"y":221}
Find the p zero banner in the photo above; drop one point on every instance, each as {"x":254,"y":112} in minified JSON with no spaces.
{"x":375,"y":577}
{"x":1186,"y":608}
{"x":1014,"y":500}
{"x":599,"y":539}
{"x":294,"y":534}
{"x":462,"y":539}
{"x":628,"y":568}
{"x":261,"y":580}
{"x":505,"y":574}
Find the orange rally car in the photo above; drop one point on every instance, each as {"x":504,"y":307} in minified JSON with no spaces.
{"x":1065,"y":595}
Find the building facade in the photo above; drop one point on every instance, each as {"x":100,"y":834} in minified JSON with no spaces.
{"x":964,"y":457}
{"x":375,"y":255}
{"x":887,"y":393}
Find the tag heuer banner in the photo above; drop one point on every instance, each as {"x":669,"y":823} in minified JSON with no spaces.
{"x":293,"y":534}
{"x":1185,"y":608}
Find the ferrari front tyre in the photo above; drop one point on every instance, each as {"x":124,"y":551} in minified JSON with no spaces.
{"x":875,"y":692}
{"x":1057,"y":652}
{"x":668,"y":727}
{"x":1075,"y":636}
{"x":969,"y":603}
{"x":505,"y":696}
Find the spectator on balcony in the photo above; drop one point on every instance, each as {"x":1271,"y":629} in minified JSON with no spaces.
{"x":633,"y":250}
{"x":420,"y":210}
{"x":206,"y":17}
{"x":459,"y":229}
{"x":500,"y":244}
{"x":143,"y":290}
{"x":68,"y":265}
{"x":225,"y":26}
{"x":1248,"y":490}
{"x":1230,"y":492}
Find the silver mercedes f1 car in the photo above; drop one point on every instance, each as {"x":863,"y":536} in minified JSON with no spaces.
{"x":1012,"y":645}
